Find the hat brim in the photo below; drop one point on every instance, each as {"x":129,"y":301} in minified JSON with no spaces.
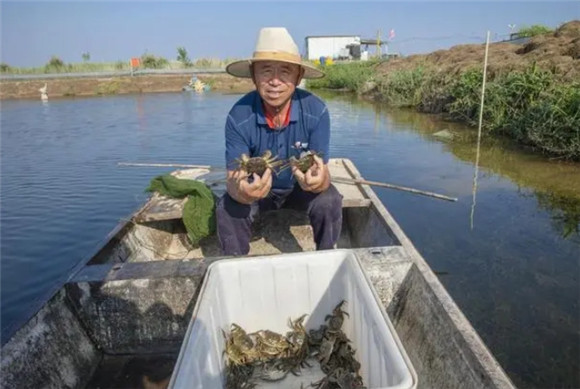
{"x":242,"y":68}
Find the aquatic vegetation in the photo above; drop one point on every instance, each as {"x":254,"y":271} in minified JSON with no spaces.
{"x":565,"y":213}
{"x":533,"y":105}
{"x":403,"y":88}
{"x":530,"y":107}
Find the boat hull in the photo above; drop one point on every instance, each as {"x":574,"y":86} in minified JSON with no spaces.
{"x":119,"y":321}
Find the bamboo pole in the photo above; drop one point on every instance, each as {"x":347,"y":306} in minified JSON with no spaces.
{"x":476,"y":171}
{"x":358,"y":181}
{"x":342,"y":180}
{"x":168,"y":165}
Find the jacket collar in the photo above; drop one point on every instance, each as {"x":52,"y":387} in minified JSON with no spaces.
{"x":261,"y":117}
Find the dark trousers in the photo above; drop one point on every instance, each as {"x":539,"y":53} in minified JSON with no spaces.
{"x":234,"y":220}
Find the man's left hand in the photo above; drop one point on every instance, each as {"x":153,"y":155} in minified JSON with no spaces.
{"x":316,"y":179}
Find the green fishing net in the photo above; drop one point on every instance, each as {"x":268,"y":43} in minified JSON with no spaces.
{"x":199,"y":209}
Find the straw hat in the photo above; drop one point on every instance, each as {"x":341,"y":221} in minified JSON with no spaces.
{"x":274,"y":44}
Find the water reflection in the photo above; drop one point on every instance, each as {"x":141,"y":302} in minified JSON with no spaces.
{"x":140,"y":109}
{"x":515,"y":275}
{"x":565,"y":213}
{"x":45,"y":110}
{"x":555,"y":184}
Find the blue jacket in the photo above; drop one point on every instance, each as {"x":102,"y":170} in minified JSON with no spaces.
{"x":247,"y":132}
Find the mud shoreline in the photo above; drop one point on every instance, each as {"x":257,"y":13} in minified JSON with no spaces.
{"x":113,"y":85}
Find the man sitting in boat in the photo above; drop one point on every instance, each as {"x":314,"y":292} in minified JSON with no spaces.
{"x":279,"y":119}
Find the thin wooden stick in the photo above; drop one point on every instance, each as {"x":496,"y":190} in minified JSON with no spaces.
{"x":391,"y":186}
{"x":475,"y":172}
{"x":168,"y":165}
{"x":342,"y":180}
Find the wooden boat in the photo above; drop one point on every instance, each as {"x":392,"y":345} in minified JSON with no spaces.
{"x":120,"y":319}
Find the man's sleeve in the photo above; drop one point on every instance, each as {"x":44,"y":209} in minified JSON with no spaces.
{"x":236,"y":144}
{"x":320,"y":136}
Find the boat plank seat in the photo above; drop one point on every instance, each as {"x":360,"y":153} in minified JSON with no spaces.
{"x":165,"y":208}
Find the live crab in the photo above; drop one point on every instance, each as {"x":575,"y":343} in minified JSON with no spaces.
{"x":305,"y":161}
{"x":258,"y":165}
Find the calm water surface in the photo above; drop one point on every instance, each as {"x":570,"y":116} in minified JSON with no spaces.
{"x":515,"y":274}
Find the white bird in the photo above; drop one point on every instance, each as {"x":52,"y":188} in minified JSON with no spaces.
{"x":43,"y":95}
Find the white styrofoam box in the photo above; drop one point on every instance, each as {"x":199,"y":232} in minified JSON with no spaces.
{"x":263,"y":292}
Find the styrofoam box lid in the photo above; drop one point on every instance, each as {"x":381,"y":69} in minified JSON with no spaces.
{"x":263,"y":292}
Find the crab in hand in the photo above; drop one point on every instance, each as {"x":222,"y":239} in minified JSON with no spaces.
{"x":258,"y":165}
{"x":305,"y":161}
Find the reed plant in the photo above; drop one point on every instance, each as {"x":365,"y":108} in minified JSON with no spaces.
{"x":403,"y":88}
{"x":209,"y":63}
{"x":533,"y":106}
{"x":349,"y":76}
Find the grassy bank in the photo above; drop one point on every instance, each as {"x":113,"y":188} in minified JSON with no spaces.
{"x":530,"y":106}
{"x":532,"y":92}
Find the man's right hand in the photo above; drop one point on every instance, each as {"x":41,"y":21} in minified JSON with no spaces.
{"x":244,"y":192}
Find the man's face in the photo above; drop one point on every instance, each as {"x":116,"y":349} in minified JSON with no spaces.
{"x":276,"y":81}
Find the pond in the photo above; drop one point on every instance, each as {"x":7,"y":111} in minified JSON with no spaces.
{"x":511,"y":262}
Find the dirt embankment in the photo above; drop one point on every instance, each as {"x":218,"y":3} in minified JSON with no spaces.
{"x":558,"y":52}
{"x":69,"y":87}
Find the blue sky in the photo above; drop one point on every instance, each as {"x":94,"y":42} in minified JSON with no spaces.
{"x":31,"y":32}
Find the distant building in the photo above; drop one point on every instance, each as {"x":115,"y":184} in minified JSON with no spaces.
{"x":333,"y":46}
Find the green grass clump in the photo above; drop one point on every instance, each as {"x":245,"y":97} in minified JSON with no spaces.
{"x":403,"y":88}
{"x":349,"y":76}
{"x":536,"y":29}
{"x":108,"y":88}
{"x":150,"y":61}
{"x":531,"y":107}
{"x":552,"y":123}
